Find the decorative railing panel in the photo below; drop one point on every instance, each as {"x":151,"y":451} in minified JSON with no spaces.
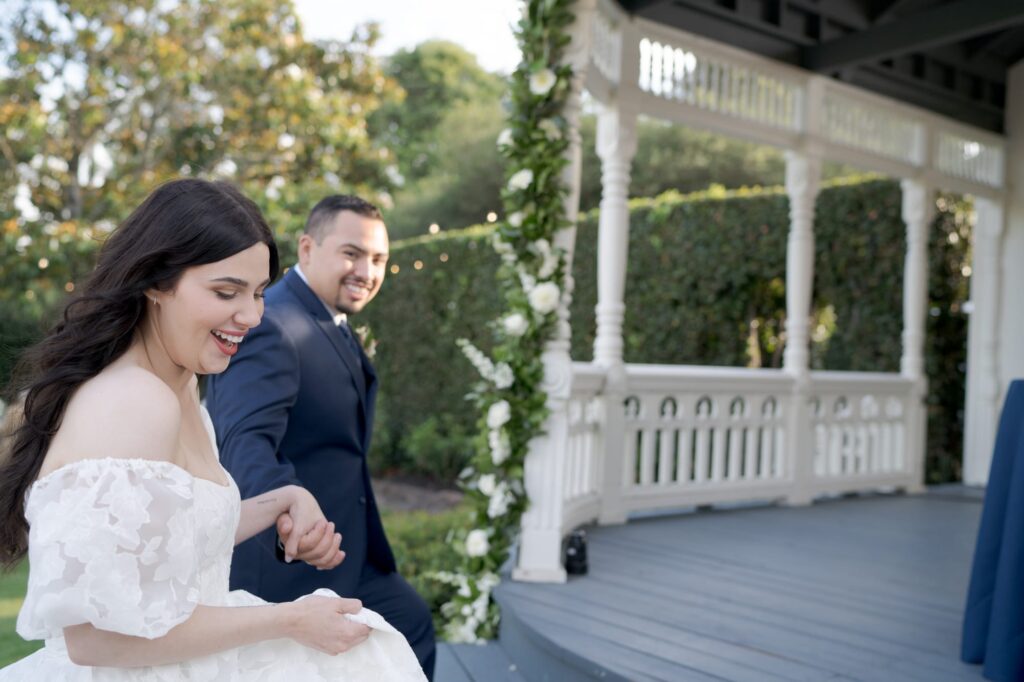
{"x":866,"y":125}
{"x":716,"y":84}
{"x":969,"y":158}
{"x":690,"y":439}
{"x":606,"y":47}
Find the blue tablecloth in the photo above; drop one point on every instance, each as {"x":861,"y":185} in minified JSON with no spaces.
{"x":994,"y":618}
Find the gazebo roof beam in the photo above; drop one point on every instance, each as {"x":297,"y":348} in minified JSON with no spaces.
{"x":948,"y":23}
{"x":636,"y":6}
{"x":882,"y":10}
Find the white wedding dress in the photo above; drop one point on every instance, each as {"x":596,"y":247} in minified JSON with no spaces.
{"x":132,"y":546}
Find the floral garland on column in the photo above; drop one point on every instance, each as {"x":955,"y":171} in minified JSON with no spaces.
{"x":532,"y":276}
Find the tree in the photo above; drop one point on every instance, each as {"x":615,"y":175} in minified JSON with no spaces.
{"x":104,"y":99}
{"x":465,"y":181}
{"x":437,"y":77}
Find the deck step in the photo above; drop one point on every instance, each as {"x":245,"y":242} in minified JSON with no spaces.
{"x":475,"y":663}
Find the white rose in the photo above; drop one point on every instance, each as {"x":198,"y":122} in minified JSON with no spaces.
{"x":498,"y":414}
{"x":550,"y":129}
{"x":500,"y":447}
{"x":486,"y":484}
{"x":544,"y":297}
{"x":503,"y":376}
{"x":476,"y":543}
{"x":505,"y":138}
{"x":515,"y":324}
{"x":542,"y":81}
{"x":516,"y":219}
{"x":521,"y":179}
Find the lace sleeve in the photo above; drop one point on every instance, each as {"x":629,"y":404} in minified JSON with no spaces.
{"x":112,"y":543}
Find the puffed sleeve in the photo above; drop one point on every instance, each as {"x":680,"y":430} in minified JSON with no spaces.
{"x":112,"y":543}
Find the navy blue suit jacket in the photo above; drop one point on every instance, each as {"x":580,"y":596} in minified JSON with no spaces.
{"x":296,"y":406}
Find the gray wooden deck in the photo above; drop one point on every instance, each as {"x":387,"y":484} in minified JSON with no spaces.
{"x":868,"y":588}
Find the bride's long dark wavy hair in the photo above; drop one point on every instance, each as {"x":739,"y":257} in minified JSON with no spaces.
{"x":182,"y":224}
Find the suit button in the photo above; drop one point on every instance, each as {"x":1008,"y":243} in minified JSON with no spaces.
{"x":362,"y":500}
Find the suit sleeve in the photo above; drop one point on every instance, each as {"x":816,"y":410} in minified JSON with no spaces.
{"x":249,"y":404}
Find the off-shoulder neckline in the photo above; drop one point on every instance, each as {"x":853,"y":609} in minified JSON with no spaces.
{"x":130,"y":460}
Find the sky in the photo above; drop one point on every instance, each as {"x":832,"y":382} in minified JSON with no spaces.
{"x":481,"y":26}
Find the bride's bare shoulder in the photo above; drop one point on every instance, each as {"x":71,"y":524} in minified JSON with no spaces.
{"x":125,"y":412}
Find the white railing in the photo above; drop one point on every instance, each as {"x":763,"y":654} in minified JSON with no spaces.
{"x":678,"y":76}
{"x":868,"y":125}
{"x":606,"y":46}
{"x":581,"y":481}
{"x":970,"y":157}
{"x":700,"y":434}
{"x":686,"y":73}
{"x":708,"y":435}
{"x":861,"y":427}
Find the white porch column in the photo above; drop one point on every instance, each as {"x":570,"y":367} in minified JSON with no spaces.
{"x":1010,"y":318}
{"x":918,"y":213}
{"x":540,"y":540}
{"x":803,"y":179}
{"x":616,"y":145}
{"x":981,"y":406}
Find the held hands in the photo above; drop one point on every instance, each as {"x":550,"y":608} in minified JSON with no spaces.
{"x":319,"y":622}
{"x":307,"y":535}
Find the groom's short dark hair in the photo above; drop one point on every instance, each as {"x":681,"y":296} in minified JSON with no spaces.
{"x":323,"y":213}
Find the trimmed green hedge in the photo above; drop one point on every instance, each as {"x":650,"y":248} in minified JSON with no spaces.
{"x":705,"y":285}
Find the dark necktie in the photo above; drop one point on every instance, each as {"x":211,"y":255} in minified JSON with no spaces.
{"x":350,"y":340}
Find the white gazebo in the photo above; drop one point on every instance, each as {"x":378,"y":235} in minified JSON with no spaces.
{"x":625,"y":438}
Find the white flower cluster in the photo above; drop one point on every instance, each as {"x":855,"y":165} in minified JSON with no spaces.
{"x":548,"y":256}
{"x":544,"y":297}
{"x":473,"y":612}
{"x":500,"y":374}
{"x":501,"y":448}
{"x":499,"y":414}
{"x":520,"y":180}
{"x":499,"y":495}
{"x":515,"y":324}
{"x":541,"y":81}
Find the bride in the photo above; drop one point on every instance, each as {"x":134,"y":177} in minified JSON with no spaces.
{"x":113,"y":488}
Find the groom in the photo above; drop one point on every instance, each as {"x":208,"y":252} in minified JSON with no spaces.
{"x":296,"y":407}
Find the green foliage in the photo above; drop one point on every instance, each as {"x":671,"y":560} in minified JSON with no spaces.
{"x":437,"y":78}
{"x":706,"y":275}
{"x":419,"y":541}
{"x":465,"y":180}
{"x":671,"y":157}
{"x":12,"y":592}
{"x":135,"y":93}
{"x":439,"y":447}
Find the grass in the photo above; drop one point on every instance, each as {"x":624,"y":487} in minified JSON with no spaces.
{"x":12,"y":591}
{"x":417,"y":538}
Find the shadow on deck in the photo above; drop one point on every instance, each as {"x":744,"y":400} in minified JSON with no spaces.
{"x":866,"y":588}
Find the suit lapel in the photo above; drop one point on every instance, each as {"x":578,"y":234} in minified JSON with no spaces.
{"x":323,"y":320}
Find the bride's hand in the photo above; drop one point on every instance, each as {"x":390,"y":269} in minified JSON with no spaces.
{"x":320,"y":623}
{"x":321,"y":547}
{"x":305,"y":514}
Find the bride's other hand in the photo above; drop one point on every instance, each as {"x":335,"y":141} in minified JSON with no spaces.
{"x":321,"y":547}
{"x":305,"y":513}
{"x":320,"y":623}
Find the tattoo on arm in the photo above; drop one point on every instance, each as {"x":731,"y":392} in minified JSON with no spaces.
{"x":267,"y":501}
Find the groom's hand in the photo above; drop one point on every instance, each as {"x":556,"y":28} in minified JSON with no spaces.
{"x":320,"y":547}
